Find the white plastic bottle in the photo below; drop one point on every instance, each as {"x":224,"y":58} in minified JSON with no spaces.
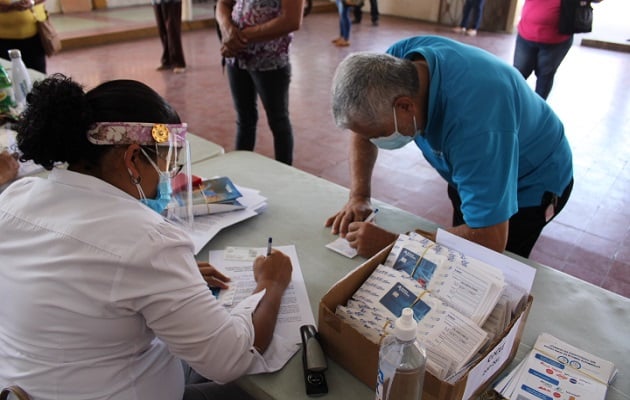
{"x":20,"y":77}
{"x":401,"y":362}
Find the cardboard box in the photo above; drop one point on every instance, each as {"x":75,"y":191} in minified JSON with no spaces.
{"x":359,"y":356}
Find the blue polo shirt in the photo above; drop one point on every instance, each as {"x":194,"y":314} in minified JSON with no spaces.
{"x":487,"y":133}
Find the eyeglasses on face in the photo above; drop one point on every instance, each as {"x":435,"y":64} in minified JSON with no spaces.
{"x":174,"y":167}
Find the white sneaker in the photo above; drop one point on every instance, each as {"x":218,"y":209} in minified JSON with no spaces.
{"x":459,"y":29}
{"x":471,"y":32}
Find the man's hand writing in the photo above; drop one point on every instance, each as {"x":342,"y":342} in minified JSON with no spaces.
{"x":368,"y":238}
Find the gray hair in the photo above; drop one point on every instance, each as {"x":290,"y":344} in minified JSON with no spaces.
{"x":366,"y":85}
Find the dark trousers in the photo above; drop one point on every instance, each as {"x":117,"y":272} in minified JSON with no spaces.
{"x":358,"y":14}
{"x":31,"y":49}
{"x":541,"y":58}
{"x":169,"y":23}
{"x":470,"y":6}
{"x":273,"y":88}
{"x":527,"y":224}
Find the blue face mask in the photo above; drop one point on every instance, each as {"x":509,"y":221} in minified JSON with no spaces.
{"x":396,"y":140}
{"x":164,"y":190}
{"x":163,"y":196}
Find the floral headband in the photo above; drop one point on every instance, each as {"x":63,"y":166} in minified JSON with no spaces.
{"x":142,"y":133}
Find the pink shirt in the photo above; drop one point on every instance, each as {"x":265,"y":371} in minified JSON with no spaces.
{"x":540,"y":22}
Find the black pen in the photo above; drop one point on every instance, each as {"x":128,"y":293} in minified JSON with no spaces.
{"x":371,"y":217}
{"x":269,"y":247}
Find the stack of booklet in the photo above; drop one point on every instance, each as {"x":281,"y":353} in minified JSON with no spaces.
{"x":219,"y":203}
{"x":452,"y":297}
{"x":556,"y":370}
{"x":215,"y":195}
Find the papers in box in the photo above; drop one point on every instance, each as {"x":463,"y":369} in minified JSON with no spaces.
{"x":452,"y":295}
{"x":557,"y":370}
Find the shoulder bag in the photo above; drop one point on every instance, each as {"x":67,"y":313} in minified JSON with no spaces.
{"x":51,"y":42}
{"x":576,"y":16}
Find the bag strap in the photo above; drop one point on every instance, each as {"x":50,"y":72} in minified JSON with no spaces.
{"x":38,"y":20}
{"x":16,"y":391}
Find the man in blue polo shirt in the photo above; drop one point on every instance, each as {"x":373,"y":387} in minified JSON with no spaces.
{"x":499,"y":146}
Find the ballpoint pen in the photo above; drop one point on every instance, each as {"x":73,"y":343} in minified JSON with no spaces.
{"x":371,"y":217}
{"x":269,"y":246}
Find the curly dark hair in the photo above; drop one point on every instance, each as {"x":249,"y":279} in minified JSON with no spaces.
{"x":59,"y":113}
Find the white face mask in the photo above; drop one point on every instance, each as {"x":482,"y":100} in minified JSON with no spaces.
{"x":396,"y":140}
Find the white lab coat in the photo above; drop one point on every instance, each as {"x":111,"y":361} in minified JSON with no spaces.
{"x":100,"y":296}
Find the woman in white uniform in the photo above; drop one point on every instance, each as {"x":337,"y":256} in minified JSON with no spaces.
{"x":101,"y":295}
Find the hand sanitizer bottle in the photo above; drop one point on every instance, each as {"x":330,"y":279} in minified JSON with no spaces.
{"x":401,"y":362}
{"x":20,"y":77}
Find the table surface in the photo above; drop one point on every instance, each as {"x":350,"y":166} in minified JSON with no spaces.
{"x":202,"y":149}
{"x":575,"y":311}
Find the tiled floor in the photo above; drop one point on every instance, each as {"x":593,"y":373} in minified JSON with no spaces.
{"x":590,"y":239}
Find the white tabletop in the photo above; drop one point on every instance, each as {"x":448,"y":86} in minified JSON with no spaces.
{"x":202,"y":149}
{"x":577,"y":312}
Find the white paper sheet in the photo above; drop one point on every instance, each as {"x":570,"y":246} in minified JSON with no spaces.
{"x":295,"y":308}
{"x":517,"y":275}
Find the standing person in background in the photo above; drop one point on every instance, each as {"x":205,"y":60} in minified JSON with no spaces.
{"x":540,"y":48}
{"x":358,"y":13}
{"x":256,"y":36}
{"x":168,"y":15}
{"x":18,"y":30}
{"x":344,"y":25}
{"x":475,"y":6}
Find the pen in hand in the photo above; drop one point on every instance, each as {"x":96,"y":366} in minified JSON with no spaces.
{"x":269,"y":247}
{"x":371,"y":217}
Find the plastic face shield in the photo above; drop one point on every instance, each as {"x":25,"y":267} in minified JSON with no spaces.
{"x":175,"y":150}
{"x":180,"y":208}
{"x":167,"y":141}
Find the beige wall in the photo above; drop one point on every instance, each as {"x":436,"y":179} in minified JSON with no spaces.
{"x":424,"y":10}
{"x":498,"y":15}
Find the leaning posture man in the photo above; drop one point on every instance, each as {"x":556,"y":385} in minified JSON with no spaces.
{"x":499,"y":146}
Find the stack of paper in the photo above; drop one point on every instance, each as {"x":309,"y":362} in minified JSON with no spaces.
{"x":295,"y":308}
{"x":205,"y":227}
{"x":209,"y":196}
{"x":556,"y":370}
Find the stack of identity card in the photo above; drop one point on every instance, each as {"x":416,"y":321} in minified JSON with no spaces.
{"x":452,"y":297}
{"x":556,"y":370}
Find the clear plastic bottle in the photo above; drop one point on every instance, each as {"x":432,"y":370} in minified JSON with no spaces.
{"x":20,"y":77}
{"x":6,"y":92}
{"x":401,"y":362}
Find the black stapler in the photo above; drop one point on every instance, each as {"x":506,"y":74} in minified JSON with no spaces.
{"x":313,"y":362}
